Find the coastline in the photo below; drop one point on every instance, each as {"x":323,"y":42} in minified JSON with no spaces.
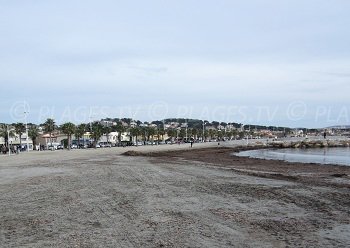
{"x":223,"y":157}
{"x":200,"y":197}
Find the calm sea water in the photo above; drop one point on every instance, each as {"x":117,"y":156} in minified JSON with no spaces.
{"x":339,"y":156}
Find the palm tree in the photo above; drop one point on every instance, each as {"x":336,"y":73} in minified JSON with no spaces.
{"x":79,"y":132}
{"x":96,"y":132}
{"x":156,"y":130}
{"x":220,"y":134}
{"x":135,"y":132}
{"x":182,"y":133}
{"x":143,"y":132}
{"x":194,"y":133}
{"x":206,"y":134}
{"x":120,"y":129}
{"x":20,"y":128}
{"x":68,"y":129}
{"x":161,"y":132}
{"x":212,"y":133}
{"x":33,"y":133}
{"x":150,"y":133}
{"x":234,"y":134}
{"x":49,"y":127}
{"x":106,"y":131}
{"x":172,"y":133}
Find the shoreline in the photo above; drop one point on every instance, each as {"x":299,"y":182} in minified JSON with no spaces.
{"x":222,"y":157}
{"x":199,"y":197}
{"x":236,"y":146}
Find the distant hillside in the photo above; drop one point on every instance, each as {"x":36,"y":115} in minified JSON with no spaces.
{"x":195,"y":123}
{"x":339,"y":127}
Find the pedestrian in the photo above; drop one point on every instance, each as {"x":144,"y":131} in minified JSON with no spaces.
{"x":324,"y":134}
{"x":15,"y":149}
{"x":191,"y":143}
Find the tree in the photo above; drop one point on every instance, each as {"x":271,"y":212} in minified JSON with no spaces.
{"x":49,"y":127}
{"x":120,"y":129}
{"x":241,"y":135}
{"x":79,"y":132}
{"x":220,"y":134}
{"x":161,"y":132}
{"x":182,"y":133}
{"x":68,"y":129}
{"x":96,"y":132}
{"x":206,"y":134}
{"x":33,"y":133}
{"x":143,"y":132}
{"x":106,"y":131}
{"x":135,"y":132}
{"x":150,"y":133}
{"x":20,"y":128}
{"x":195,"y":133}
{"x":212,"y":133}
{"x":215,"y":124}
{"x":158,"y":133}
{"x":5,"y":133}
{"x":172,"y":133}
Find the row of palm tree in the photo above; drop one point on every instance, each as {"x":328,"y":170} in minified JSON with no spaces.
{"x":198,"y":133}
{"x":6,"y":131}
{"x":20,"y":129}
{"x":97,"y":131}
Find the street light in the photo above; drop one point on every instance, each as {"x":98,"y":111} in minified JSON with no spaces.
{"x":186,"y":130}
{"x":8,"y":140}
{"x":163,"y":131}
{"x":90,"y":118}
{"x":203,"y":131}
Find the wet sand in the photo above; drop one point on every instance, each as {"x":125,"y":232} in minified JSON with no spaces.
{"x":170,"y":196}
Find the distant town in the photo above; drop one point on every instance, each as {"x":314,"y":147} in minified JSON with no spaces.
{"x":110,"y":132}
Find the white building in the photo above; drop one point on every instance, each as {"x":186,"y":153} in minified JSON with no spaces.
{"x":113,"y":137}
{"x":15,"y":140}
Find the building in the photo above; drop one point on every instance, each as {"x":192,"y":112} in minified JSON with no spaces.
{"x":113,"y":138}
{"x":107,"y":123}
{"x":15,"y":140}
{"x":45,"y":140}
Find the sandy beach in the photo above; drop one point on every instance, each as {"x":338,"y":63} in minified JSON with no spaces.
{"x":170,"y":196}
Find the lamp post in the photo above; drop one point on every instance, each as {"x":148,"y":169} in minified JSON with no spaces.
{"x":163,"y":131}
{"x":186,"y":131}
{"x":90,"y":119}
{"x":203,"y":131}
{"x":8,"y":140}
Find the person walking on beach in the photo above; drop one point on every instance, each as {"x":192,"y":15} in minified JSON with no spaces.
{"x":191,"y":143}
{"x":15,"y":149}
{"x":324,"y":134}
{"x":3,"y":149}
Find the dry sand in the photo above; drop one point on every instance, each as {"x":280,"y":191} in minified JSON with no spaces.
{"x":177,"y":197}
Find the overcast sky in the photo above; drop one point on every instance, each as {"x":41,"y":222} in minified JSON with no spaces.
{"x":273,"y":62}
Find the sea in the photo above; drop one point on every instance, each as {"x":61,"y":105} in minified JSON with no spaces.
{"x":339,"y":156}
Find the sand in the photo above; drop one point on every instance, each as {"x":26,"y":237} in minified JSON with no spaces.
{"x":174,"y":196}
